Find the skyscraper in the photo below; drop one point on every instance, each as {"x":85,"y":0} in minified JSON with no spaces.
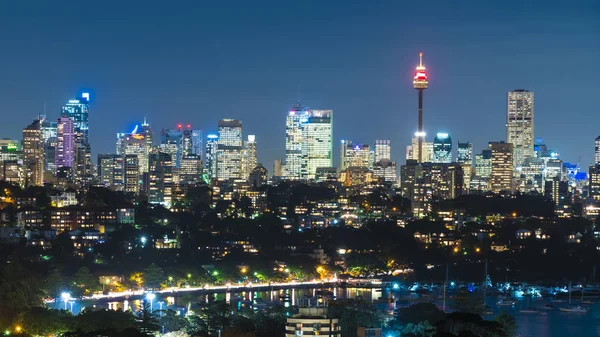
{"x":355,"y":155}
{"x":383,"y":149}
{"x":420,"y":82}
{"x":210,"y":156}
{"x":33,"y":154}
{"x":502,"y":167}
{"x":229,"y":149}
{"x":384,"y":167}
{"x":181,"y":142}
{"x":317,"y":144}
{"x":465,"y":159}
{"x":49,"y":135}
{"x":131,"y":174}
{"x":293,"y":141}
{"x":65,"y":144}
{"x":249,"y":160}
{"x":308,"y":141}
{"x":190,"y":170}
{"x":442,"y":148}
{"x":597,"y":150}
{"x":412,"y":151}
{"x":160,"y":178}
{"x":78,"y":111}
{"x":519,"y":124}
{"x":483,"y":164}
{"x":110,"y":170}
{"x":134,"y":143}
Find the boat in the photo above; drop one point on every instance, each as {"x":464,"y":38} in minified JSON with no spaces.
{"x":575,"y":309}
{"x":547,"y":307}
{"x":529,"y":310}
{"x":556,"y":300}
{"x":505,"y":303}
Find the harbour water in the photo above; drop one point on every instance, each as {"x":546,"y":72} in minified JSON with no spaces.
{"x":546,"y":323}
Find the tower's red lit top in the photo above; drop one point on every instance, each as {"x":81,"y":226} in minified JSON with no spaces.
{"x":420,"y":80}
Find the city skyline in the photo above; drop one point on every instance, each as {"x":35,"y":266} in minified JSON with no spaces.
{"x":383,"y":90}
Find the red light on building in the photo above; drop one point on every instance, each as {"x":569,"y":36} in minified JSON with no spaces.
{"x":179,"y":126}
{"x":189,"y":126}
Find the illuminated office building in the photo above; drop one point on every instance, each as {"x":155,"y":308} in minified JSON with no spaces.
{"x":160,"y":179}
{"x":501,"y":178}
{"x":131,"y":174}
{"x":249,"y":160}
{"x":11,"y":162}
{"x":229,"y":149}
{"x":110,"y":170}
{"x":519,"y":125}
{"x":191,"y":169}
{"x":384,"y":167}
{"x":33,"y":154}
{"x":49,"y":133}
{"x":442,"y":148}
{"x":210,"y":156}
{"x":465,"y":159}
{"x":65,"y":143}
{"x":317,"y":144}
{"x":181,"y":142}
{"x":355,"y":155}
{"x":424,"y":182}
{"x":412,"y":151}
{"x":308,"y":143}
{"x":483,"y":164}
{"x":78,"y":111}
{"x":135,"y":143}
{"x":597,"y":150}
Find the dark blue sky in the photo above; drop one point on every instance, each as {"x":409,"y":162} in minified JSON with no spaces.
{"x":198,"y":61}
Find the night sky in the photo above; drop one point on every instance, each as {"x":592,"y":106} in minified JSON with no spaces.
{"x":198,"y":61}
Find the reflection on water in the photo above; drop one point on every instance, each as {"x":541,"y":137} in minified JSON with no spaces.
{"x":544,"y":324}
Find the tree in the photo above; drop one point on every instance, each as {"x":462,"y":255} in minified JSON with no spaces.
{"x":421,"y":329}
{"x":153,"y":276}
{"x":39,"y":321}
{"x":420,"y":312}
{"x":171,"y":321}
{"x":54,"y":283}
{"x":97,"y":320}
{"x":147,"y":321}
{"x":468,"y":302}
{"x":508,"y":323}
{"x":85,"y":280}
{"x":19,"y":291}
{"x":352,"y":314}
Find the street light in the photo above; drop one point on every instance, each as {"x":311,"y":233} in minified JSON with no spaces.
{"x":150,"y":297}
{"x":65,"y":297}
{"x":160,"y":303}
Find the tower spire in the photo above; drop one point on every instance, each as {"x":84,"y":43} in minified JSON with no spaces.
{"x":421,"y":59}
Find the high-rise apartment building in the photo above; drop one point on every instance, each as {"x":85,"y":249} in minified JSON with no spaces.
{"x":11,"y":161}
{"x":65,"y":143}
{"x":442,"y":148}
{"x":160,"y":178}
{"x":229,"y":149}
{"x":502,"y":167}
{"x":249,"y":159}
{"x":210,"y":156}
{"x":33,"y":154}
{"x":308,"y":142}
{"x":519,"y":125}
{"x":355,"y":155}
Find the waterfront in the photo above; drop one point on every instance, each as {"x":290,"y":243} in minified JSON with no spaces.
{"x":552,"y":323}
